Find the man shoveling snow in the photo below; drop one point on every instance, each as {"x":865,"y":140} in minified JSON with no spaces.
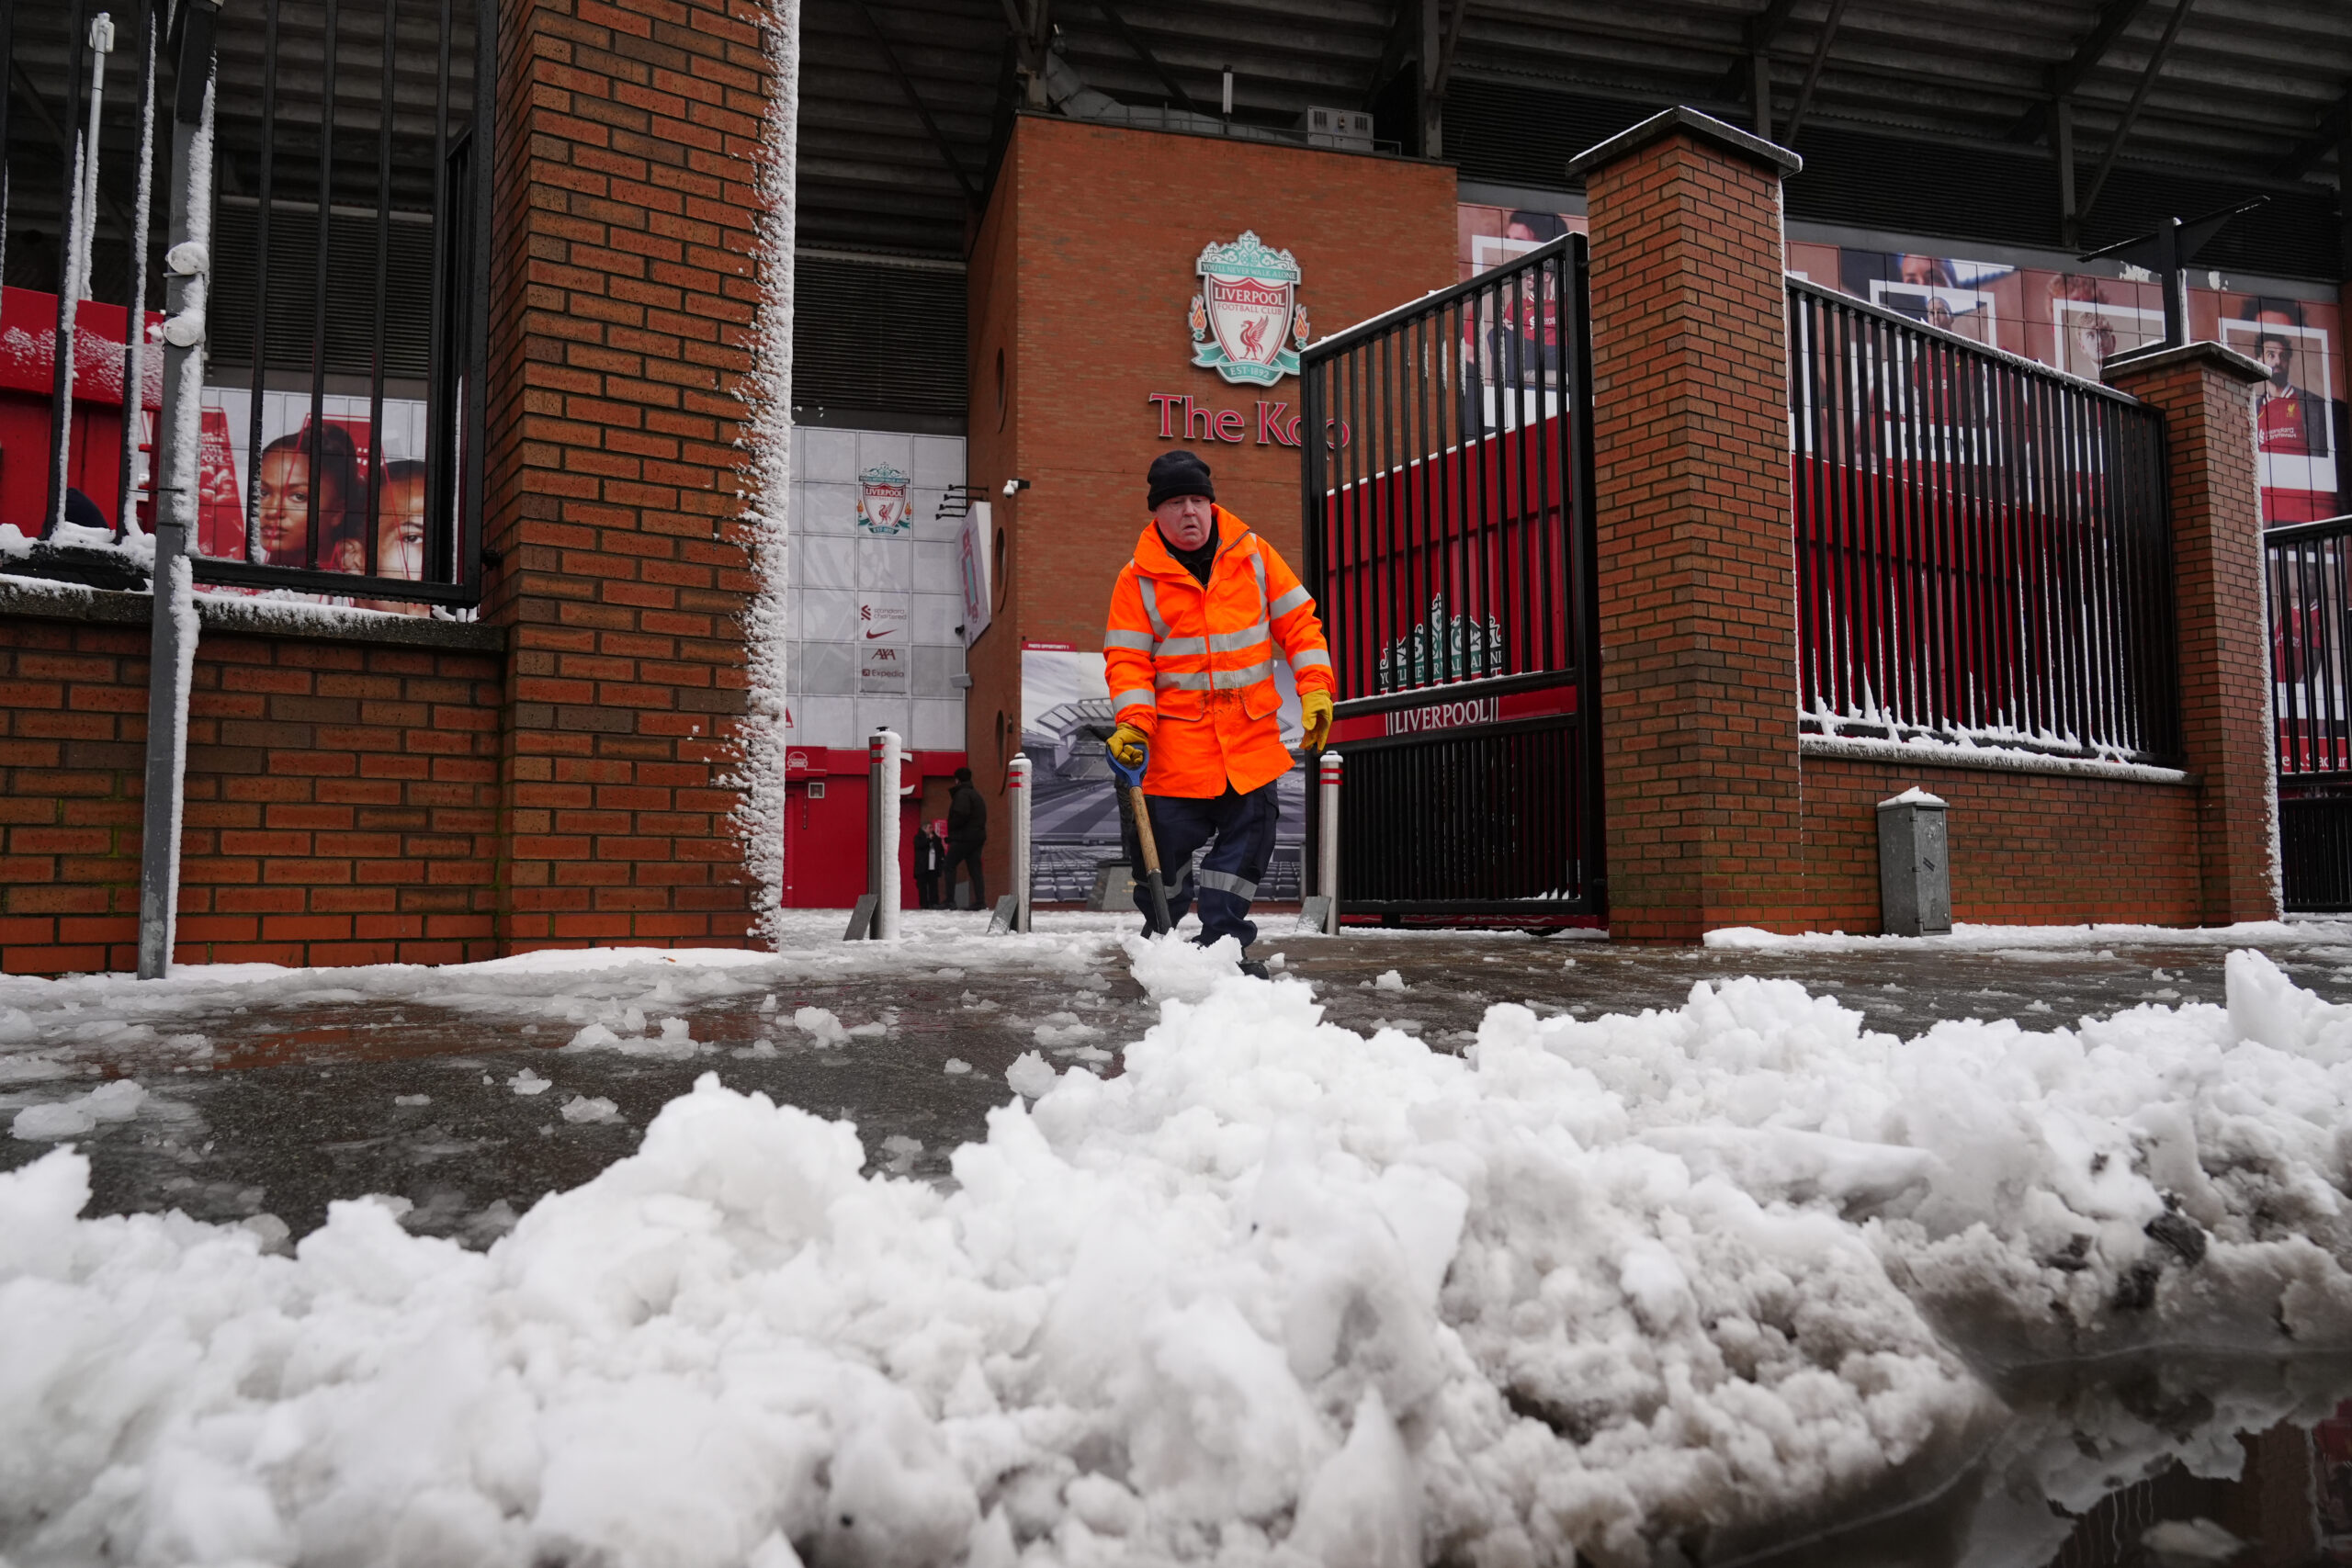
{"x":1196,"y":619}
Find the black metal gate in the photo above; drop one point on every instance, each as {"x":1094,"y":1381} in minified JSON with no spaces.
{"x":1449,"y":541}
{"x":2307,"y":573}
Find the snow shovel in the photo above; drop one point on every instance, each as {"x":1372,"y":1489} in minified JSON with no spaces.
{"x":1131,"y":784}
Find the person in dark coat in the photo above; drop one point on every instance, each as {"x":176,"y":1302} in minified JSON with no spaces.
{"x":930,"y":859}
{"x":967,"y":831}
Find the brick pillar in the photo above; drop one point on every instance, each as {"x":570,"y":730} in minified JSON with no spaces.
{"x":622,"y":300}
{"x":2203,"y":391}
{"x":1697,"y":582}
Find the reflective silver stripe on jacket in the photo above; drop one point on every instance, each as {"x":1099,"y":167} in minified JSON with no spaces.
{"x":1183,"y":681}
{"x":1310,"y":659}
{"x":1134,"y":642}
{"x":1180,"y":648}
{"x":1151,"y":606}
{"x":1257,"y":565}
{"x":1226,"y":881}
{"x":1247,"y":675}
{"x":1234,"y":642}
{"x":1129,"y":699}
{"x":1290,"y":600}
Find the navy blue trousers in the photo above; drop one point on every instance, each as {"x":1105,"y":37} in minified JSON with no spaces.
{"x":1243,"y":827}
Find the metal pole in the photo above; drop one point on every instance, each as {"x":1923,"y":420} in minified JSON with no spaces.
{"x":1327,"y":848}
{"x":73,"y":264}
{"x":1017,"y":795}
{"x":188,"y":265}
{"x":873,"y":829}
{"x":882,"y":751}
{"x":134,"y":336}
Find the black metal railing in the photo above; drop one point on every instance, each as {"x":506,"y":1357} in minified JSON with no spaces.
{"x":1479,"y":822}
{"x":342,"y":407}
{"x":1983,"y":543}
{"x":1448,"y":538}
{"x":2307,"y":580}
{"x":1438,"y":494}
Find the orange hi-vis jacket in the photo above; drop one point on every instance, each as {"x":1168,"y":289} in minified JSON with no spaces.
{"x":1193,"y":666}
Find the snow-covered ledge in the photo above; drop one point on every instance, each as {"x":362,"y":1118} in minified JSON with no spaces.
{"x":762,"y":740}
{"x":1925,"y":752}
{"x":41,"y":599}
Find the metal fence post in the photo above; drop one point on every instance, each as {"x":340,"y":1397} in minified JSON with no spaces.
{"x":1327,"y":848}
{"x":171,"y":640}
{"x":1017,"y":795}
{"x":882,"y":861}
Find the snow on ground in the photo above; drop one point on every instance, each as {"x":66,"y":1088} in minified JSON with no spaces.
{"x":616,"y":989}
{"x":1279,"y":1292}
{"x":1964,"y":937}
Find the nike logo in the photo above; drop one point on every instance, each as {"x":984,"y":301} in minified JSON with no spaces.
{"x":871,"y":636}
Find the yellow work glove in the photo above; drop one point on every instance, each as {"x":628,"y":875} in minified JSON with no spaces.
{"x":1127,"y":744}
{"x":1316,"y":708}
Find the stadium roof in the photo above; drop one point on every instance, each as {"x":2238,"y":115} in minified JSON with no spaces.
{"x":906,"y":102}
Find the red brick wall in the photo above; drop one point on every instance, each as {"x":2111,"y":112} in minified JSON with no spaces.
{"x":622,"y":302}
{"x":993,"y":453}
{"x":2026,"y":848}
{"x":2217,"y":591}
{"x":1697,"y":590}
{"x":341,"y":797}
{"x":73,"y":728}
{"x":341,"y":805}
{"x":1081,"y":277}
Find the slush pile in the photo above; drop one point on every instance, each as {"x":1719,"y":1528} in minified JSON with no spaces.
{"x":1276,"y":1293}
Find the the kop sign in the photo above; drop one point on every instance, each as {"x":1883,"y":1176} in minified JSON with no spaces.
{"x":1248,"y":326}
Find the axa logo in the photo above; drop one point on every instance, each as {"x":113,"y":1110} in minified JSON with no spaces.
{"x":1247,"y":322}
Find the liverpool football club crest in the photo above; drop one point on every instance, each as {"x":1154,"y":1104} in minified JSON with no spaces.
{"x":1248,"y":324}
{"x":882,"y":502}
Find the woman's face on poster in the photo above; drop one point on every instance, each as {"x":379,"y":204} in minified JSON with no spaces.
{"x":284,"y":510}
{"x":400,"y":531}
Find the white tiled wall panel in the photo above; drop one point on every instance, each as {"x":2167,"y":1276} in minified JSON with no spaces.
{"x":834,"y":562}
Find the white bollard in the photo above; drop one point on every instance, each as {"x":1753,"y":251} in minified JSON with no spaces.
{"x":884,"y":870}
{"x":1327,"y":848}
{"x":1017,"y":797}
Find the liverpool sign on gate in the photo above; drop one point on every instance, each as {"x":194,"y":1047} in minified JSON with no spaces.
{"x":1247,"y":322}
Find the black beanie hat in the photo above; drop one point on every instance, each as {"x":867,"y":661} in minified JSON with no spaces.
{"x":1175,"y":474}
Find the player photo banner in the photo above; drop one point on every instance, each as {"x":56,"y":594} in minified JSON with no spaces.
{"x":2081,"y":321}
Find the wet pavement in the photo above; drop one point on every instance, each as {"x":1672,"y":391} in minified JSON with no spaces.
{"x":279,"y":1097}
{"x":467,"y":1094}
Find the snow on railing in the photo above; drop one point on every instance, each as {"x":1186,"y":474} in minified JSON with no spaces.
{"x":1983,"y":553}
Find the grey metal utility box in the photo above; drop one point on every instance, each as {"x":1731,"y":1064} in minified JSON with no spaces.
{"x":1914,"y":865}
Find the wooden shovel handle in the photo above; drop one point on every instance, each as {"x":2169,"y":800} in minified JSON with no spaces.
{"x":1143,"y":831}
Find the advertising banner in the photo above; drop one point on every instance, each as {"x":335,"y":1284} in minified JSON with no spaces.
{"x":882,"y":644}
{"x":972,"y":547}
{"x":1074,"y":825}
{"x":340,"y":464}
